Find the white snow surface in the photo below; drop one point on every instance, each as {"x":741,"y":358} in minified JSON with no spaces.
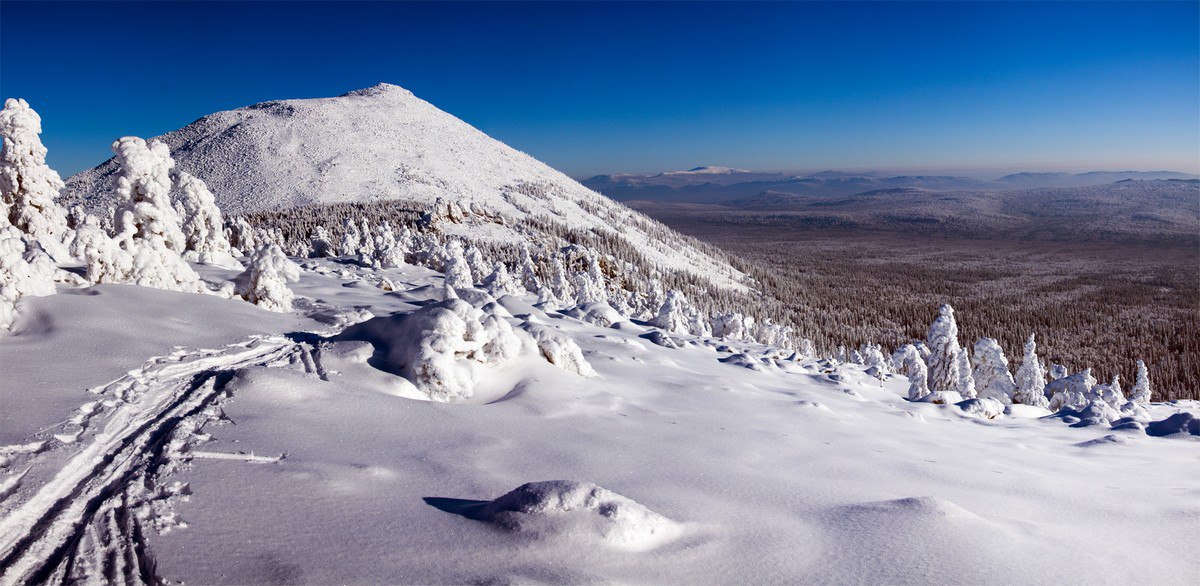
{"x":383,"y":142}
{"x":290,"y":454}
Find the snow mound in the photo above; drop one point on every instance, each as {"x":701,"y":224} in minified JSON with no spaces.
{"x":1182,"y":423}
{"x":446,"y":349}
{"x":556,"y":509}
{"x":559,"y":350}
{"x":984,"y":408}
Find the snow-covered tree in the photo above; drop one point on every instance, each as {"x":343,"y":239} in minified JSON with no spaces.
{"x":992,"y":377}
{"x":29,"y":187}
{"x":25,"y":270}
{"x":675,"y":315}
{"x":1057,"y":371}
{"x":559,"y":281}
{"x":729,"y":326}
{"x":500,"y":283}
{"x":148,"y":226}
{"x":1074,"y":391}
{"x":527,"y":273}
{"x":264,"y":282}
{"x":366,"y":246}
{"x":320,"y":243}
{"x":944,"y":373}
{"x":458,"y":274}
{"x":351,"y":238}
{"x":807,"y":349}
{"x":1111,"y":393}
{"x":475,"y":261}
{"x":105,"y":261}
{"x":389,"y":251}
{"x":203,"y":228}
{"x":875,"y":361}
{"x":1031,"y":379}
{"x":1141,"y":386}
{"x":966,"y":380}
{"x":912,"y":366}
{"x":589,"y":284}
{"x":241,"y":235}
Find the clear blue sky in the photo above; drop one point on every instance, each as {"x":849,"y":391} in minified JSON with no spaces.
{"x":592,"y":88}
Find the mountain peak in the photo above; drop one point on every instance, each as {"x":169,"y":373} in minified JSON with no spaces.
{"x":379,"y":89}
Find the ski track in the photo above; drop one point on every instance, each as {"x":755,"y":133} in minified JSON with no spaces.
{"x":86,"y":522}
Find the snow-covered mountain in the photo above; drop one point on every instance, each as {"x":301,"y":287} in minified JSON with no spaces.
{"x":384,"y":143}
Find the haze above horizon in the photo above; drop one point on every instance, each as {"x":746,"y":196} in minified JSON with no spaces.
{"x":966,"y":88}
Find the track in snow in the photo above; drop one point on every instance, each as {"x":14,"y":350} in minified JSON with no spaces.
{"x":87,"y":521}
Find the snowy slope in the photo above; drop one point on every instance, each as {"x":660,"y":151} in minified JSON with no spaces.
{"x":269,"y":449}
{"x":385,"y":143}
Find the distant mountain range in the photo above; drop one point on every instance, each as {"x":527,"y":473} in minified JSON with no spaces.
{"x":726,"y":185}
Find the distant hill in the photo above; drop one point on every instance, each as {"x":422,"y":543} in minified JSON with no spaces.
{"x":723,"y":185}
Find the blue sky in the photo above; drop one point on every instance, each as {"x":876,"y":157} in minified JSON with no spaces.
{"x":970,"y":87}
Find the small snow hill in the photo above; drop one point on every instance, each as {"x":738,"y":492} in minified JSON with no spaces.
{"x":384,"y":143}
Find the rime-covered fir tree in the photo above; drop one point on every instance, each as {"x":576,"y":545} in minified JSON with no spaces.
{"x":264,"y":282}
{"x":992,"y":377}
{"x":28,"y":186}
{"x":1141,"y":385}
{"x":908,"y":362}
{"x":1031,"y":379}
{"x":944,"y":374}
{"x":203,"y":228}
{"x":25,"y":271}
{"x":458,"y":274}
{"x":966,"y":380}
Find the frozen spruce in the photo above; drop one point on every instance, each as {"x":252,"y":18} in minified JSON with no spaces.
{"x":458,"y":273}
{"x":1073,"y":391}
{"x":1031,"y":379}
{"x":203,"y":228}
{"x":944,"y":360}
{"x":1141,"y":386}
{"x":909,"y":363}
{"x":992,"y":377}
{"x":500,"y":282}
{"x":966,"y":380}
{"x":29,"y":187}
{"x":265,"y":280}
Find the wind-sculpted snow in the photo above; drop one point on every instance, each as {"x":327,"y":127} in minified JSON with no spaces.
{"x":561,"y":509}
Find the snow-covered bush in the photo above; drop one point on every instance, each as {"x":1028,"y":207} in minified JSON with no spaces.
{"x":729,"y":326}
{"x":1031,"y":379}
{"x":982,"y":407}
{"x":944,"y":374}
{"x":203,"y":228}
{"x":104,"y":259}
{"x":1141,"y":386}
{"x":28,"y":187}
{"x":908,"y":361}
{"x":559,"y":350}
{"x":445,"y":349}
{"x":877,"y":364}
{"x":264,"y":282}
{"x":992,"y":377}
{"x":1110,"y":393}
{"x":25,"y":270}
{"x":1074,"y":391}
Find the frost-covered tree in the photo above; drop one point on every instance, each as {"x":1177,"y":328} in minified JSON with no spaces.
{"x":458,"y":274}
{"x":203,"y":228}
{"x":944,"y":373}
{"x":321,"y":244}
{"x":589,"y":284}
{"x":28,"y":186}
{"x":527,"y":273}
{"x":105,"y":261}
{"x":500,"y":283}
{"x":241,"y":235}
{"x":912,"y":366}
{"x":351,"y":238}
{"x":1057,"y":371}
{"x":25,"y":270}
{"x":559,"y":282}
{"x":147,"y":225}
{"x":366,"y":246}
{"x":1111,"y":393}
{"x":675,"y":315}
{"x":966,"y":380}
{"x":264,"y":282}
{"x":992,"y":377}
{"x":1031,"y":379}
{"x":729,"y":326}
{"x":475,"y":261}
{"x":1074,"y":391}
{"x":389,"y":250}
{"x":807,"y":349}
{"x":1141,"y":386}
{"x":875,"y":361}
